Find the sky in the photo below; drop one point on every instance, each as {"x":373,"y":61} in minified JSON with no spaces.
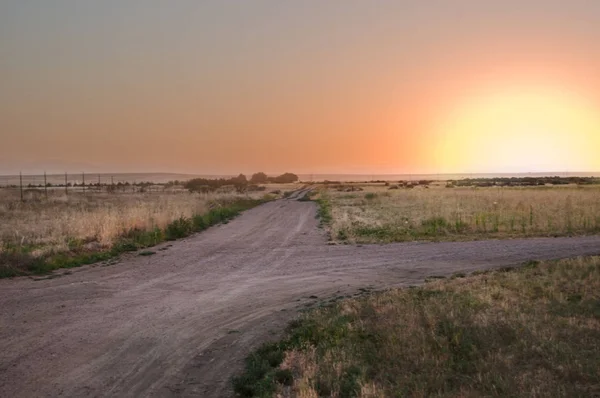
{"x":346,"y":86}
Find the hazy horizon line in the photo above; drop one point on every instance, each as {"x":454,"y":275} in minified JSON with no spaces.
{"x":363,"y":174}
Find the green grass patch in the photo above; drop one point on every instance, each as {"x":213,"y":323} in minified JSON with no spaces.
{"x":501,"y":333}
{"x":370,"y":195}
{"x":324,"y":210}
{"x":259,"y":378}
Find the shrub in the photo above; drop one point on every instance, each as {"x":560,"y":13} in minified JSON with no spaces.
{"x":179,"y":228}
{"x":14,"y":263}
{"x":199,"y":223}
{"x":342,"y":235}
{"x":259,"y":178}
{"x":208,"y":185}
{"x":284,"y":376}
{"x":435,"y":225}
{"x":324,"y":211}
{"x":260,"y":373}
{"x":286,"y":178}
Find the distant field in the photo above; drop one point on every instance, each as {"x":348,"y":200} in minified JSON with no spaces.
{"x":370,"y":213}
{"x":533,"y":332}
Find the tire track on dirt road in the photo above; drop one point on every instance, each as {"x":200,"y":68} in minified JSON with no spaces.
{"x":179,"y":323}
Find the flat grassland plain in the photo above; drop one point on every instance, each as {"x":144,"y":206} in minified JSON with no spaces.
{"x":378,"y":214}
{"x":179,"y":320}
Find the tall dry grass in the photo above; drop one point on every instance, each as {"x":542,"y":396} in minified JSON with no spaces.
{"x":379,"y":214}
{"x":95,"y":218}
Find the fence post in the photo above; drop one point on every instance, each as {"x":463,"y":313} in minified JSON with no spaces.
{"x":66,"y":187}
{"x":21,"y":184}
{"x":45,"y":186}
{"x":83,"y":181}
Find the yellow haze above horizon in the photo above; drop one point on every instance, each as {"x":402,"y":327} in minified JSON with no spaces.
{"x":515,"y":128}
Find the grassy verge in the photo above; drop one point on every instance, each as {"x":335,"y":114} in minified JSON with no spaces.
{"x":323,"y":203}
{"x":324,"y":212}
{"x":18,"y":260}
{"x":533,"y":331}
{"x":324,"y":206}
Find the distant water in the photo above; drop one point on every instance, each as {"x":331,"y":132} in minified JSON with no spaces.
{"x":159,"y":178}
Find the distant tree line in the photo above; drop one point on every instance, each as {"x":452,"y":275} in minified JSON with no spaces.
{"x":240,"y":183}
{"x":262,"y":178}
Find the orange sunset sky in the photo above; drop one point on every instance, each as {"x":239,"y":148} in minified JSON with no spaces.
{"x":308,"y":86}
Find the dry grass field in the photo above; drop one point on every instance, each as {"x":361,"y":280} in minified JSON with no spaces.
{"x":98,"y":218}
{"x":380,"y":214}
{"x":93,"y":222}
{"x":532,"y":331}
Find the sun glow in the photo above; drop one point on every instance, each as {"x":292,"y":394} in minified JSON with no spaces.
{"x":519,"y":130}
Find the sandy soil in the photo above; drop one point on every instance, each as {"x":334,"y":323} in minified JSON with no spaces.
{"x":180,"y":322}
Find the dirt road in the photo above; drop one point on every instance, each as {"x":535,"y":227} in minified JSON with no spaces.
{"x":179,"y":322}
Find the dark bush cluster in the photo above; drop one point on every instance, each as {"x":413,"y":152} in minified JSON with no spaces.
{"x":240,"y":183}
{"x":286,"y":178}
{"x":208,"y":185}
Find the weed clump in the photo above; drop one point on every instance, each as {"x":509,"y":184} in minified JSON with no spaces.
{"x":435,"y":225}
{"x":324,"y":211}
{"x":261,"y":372}
{"x":179,"y":228}
{"x":370,"y":195}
